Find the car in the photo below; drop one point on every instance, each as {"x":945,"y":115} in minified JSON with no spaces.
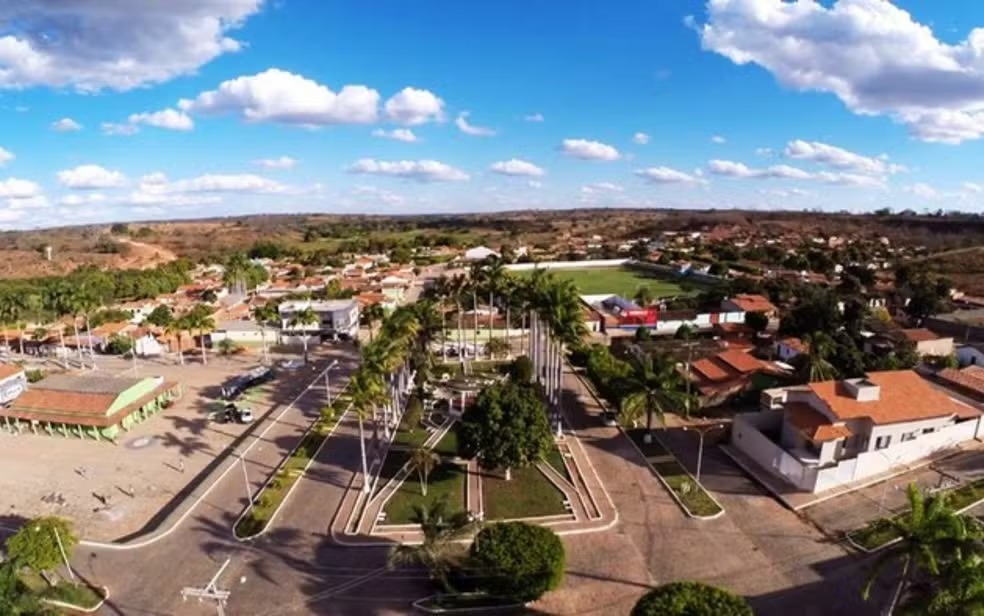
{"x":234,"y":414}
{"x":245,"y":415}
{"x":609,"y":419}
{"x":291,"y":364}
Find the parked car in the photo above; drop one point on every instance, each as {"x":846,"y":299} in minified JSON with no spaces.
{"x":609,"y":419}
{"x":235,"y":414}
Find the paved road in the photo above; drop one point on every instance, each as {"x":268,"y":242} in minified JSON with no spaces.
{"x":277,"y":574}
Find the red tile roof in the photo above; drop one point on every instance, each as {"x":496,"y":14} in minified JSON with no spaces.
{"x":740,"y":361}
{"x":813,"y":424}
{"x":919,"y":335}
{"x":753,"y":303}
{"x":970,"y":378}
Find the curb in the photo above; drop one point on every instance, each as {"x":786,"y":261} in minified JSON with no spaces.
{"x":73,"y":607}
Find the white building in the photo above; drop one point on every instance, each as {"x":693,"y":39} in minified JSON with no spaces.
{"x":822,"y":435}
{"x":148,"y":346}
{"x":244,"y":332}
{"x":479,"y":253}
{"x":335,"y":317}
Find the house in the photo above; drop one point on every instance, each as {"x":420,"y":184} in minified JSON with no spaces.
{"x":13,"y":382}
{"x":730,"y":372}
{"x":334,"y":317}
{"x":749,"y":303}
{"x":789,"y":348}
{"x":479,"y":253}
{"x":146,"y":345}
{"x":822,"y":435}
{"x":244,"y":332}
{"x":968,"y":381}
{"x":928,"y":343}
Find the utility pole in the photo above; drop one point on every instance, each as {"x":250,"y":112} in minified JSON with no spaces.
{"x":210,"y":591}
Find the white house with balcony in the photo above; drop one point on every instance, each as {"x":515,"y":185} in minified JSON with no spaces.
{"x":334,"y":318}
{"x":822,"y":435}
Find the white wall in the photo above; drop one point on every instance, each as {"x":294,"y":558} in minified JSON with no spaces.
{"x":940,"y":347}
{"x":248,"y":336}
{"x":549,"y":265}
{"x":896,"y":430}
{"x":747,"y":437}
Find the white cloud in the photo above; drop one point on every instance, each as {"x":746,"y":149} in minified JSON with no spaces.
{"x":397,"y":134}
{"x":517,"y":167}
{"x":533,"y":117}
{"x":280,"y":96}
{"x":14,"y":188}
{"x":243,"y":182}
{"x":535,"y":184}
{"x":114,"y":129}
{"x":412,"y":106}
{"x":850,"y":179}
{"x":786,"y":193}
{"x":419,"y":170}
{"x":923,"y":191}
{"x":763,"y":151}
{"x":589,"y":150}
{"x":5,"y":156}
{"x":833,"y":156}
{"x":601,"y":187}
{"x":87,"y":177}
{"x":114,"y":44}
{"x":718,"y":139}
{"x":973,"y":187}
{"x":734,"y":169}
{"x":29,"y":203}
{"x":282,"y":162}
{"x":82,"y":199}
{"x":373,"y":192}
{"x":871,"y":54}
{"x":640,"y":138}
{"x":65,"y":125}
{"x":470,"y":129}
{"x":665,"y":175}
{"x":171,"y":119}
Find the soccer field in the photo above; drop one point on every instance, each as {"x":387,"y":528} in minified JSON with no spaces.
{"x":618,"y":280}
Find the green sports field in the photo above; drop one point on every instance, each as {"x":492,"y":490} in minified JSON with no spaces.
{"x":618,"y":280}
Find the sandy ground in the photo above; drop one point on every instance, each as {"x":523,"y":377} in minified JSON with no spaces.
{"x":111,"y":491}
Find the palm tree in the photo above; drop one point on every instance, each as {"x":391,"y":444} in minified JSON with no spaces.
{"x":263,"y":314}
{"x":958,"y":591}
{"x":365,"y":389}
{"x":200,"y":318}
{"x":438,"y":551}
{"x":458,"y":289}
{"x":491,"y":277}
{"x":644,"y":296}
{"x":498,"y":346}
{"x":174,"y":329}
{"x":423,"y":460}
{"x":9,"y":313}
{"x":930,"y":533}
{"x":440,"y":291}
{"x":816,"y":367}
{"x":302,"y":319}
{"x":650,"y":388}
{"x":372,"y":314}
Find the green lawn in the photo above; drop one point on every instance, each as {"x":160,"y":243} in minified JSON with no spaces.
{"x":618,"y":280}
{"x":448,"y":445}
{"x":446,"y":481}
{"x":528,"y":495}
{"x":693,"y":496}
{"x":556,"y":459}
{"x":409,"y":440}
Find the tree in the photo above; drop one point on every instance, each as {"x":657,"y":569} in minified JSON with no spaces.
{"x":437,"y":552}
{"x":507,"y":427}
{"x":517,"y":560}
{"x":200,"y":318}
{"x":521,"y":370}
{"x":15,"y":598}
{"x":227,"y":347}
{"x":119,"y":345}
{"x":209,"y":296}
{"x":264,"y":314}
{"x":814,"y":365}
{"x":161,"y":316}
{"x":651,"y":388}
{"x":303,"y":319}
{"x":414,"y":413}
{"x":174,"y":329}
{"x":36,"y":544}
{"x":423,"y":461}
{"x":690,"y":599}
{"x":497,"y":346}
{"x":758,"y":321}
{"x":930,"y":532}
{"x":644,"y":295}
{"x":366,"y":391}
{"x":371,"y":315}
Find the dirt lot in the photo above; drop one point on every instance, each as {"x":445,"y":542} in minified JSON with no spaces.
{"x":110,"y":490}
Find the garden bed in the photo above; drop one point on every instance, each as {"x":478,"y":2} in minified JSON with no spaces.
{"x":688,"y":492}
{"x":556,"y":459}
{"x":447,"y":480}
{"x":271,"y":496}
{"x":75,"y":594}
{"x":529,"y":494}
{"x":879,"y":533}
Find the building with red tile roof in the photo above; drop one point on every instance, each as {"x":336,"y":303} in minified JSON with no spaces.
{"x":727,"y":373}
{"x":745,"y":302}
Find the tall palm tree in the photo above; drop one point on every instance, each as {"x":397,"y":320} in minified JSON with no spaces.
{"x":174,"y":329}
{"x":302,"y":319}
{"x":423,"y":461}
{"x":200,"y":318}
{"x":438,"y":551}
{"x":957,"y":591}
{"x":365,"y":389}
{"x":264,"y":314}
{"x":651,"y":388}
{"x":439,"y":291}
{"x":930,"y":532}
{"x":458,"y":289}
{"x":372,"y":314}
{"x":816,"y":367}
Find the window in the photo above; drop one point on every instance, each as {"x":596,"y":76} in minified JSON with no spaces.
{"x":908,"y":436}
{"x":882,"y":442}
{"x":928,"y":430}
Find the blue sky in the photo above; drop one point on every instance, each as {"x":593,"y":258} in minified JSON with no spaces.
{"x":113,"y":110}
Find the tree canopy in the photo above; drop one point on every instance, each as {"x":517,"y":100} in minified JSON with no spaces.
{"x":690,"y":599}
{"x":507,"y":427}
{"x":517,"y":560}
{"x":35,"y":545}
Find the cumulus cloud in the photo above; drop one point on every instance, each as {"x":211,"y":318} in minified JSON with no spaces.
{"x":640,"y":138}
{"x":973,"y":187}
{"x":156,"y":189}
{"x":517,"y":167}
{"x":666,"y":175}
{"x":14,"y":188}
{"x":601,"y":187}
{"x":82,"y":199}
{"x":833,"y":156}
{"x":283,"y":97}
{"x":871,"y":54}
{"x":589,"y":150}
{"x":112,"y":44}
{"x":412,"y":106}
{"x":65,"y":125}
{"x":5,"y":156}
{"x":470,"y":129}
{"x":718,"y":139}
{"x":171,"y":119}
{"x":734,"y":169}
{"x":419,"y":170}
{"x":397,"y":134}
{"x":282,"y":162}
{"x":87,"y":177}
{"x":533,"y":117}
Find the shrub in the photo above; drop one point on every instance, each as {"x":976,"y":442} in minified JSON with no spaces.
{"x":414,"y":413}
{"x":690,"y":599}
{"x":521,"y":370}
{"x":517,"y":560}
{"x":35,"y":545}
{"x":33,"y":376}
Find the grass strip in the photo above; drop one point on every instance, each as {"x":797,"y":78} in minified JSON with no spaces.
{"x":529,"y":494}
{"x":694,"y":498}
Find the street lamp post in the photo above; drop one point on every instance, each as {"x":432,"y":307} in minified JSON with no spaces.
{"x":249,"y":493}
{"x":61,"y":550}
{"x":333,"y":365}
{"x":701,"y":431}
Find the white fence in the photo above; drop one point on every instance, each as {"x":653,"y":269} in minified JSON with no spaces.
{"x":549,"y":265}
